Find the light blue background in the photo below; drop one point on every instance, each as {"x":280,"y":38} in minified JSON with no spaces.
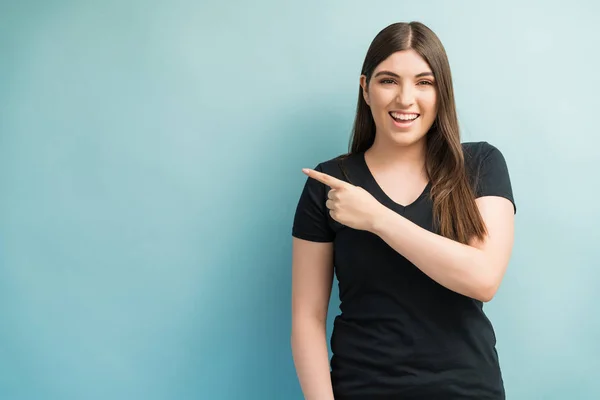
{"x":150,"y":157}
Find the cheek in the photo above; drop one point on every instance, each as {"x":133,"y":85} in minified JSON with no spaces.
{"x":378,"y":106}
{"x":380,"y":99}
{"x":428,"y":105}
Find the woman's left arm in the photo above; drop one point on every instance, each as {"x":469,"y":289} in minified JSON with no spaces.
{"x":474,"y":270}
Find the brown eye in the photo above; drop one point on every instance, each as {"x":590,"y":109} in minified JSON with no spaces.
{"x":384,"y":81}
{"x":426,"y":83}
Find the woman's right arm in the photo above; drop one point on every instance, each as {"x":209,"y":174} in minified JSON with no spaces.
{"x":312,"y":277}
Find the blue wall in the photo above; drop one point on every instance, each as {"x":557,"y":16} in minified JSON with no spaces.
{"x":150,"y":157}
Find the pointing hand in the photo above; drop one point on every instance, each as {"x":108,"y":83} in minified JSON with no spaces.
{"x":349,"y":205}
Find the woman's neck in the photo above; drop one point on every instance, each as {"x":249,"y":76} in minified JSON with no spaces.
{"x":403,"y":159}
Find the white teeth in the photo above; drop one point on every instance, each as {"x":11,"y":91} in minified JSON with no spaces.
{"x":405,"y":117}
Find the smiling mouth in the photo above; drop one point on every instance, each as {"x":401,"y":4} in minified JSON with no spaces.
{"x":404,"y":118}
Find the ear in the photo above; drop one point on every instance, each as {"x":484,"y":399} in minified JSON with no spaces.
{"x":365,"y":89}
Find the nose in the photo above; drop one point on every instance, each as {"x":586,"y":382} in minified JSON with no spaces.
{"x":406,"y":95}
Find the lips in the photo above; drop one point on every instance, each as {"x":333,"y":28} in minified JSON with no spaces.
{"x":403,"y":117}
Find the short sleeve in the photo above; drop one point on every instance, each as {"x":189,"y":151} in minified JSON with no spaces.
{"x":494,"y":178}
{"x":311,"y":220}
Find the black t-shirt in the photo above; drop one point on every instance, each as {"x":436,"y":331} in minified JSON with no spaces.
{"x":400,"y":334}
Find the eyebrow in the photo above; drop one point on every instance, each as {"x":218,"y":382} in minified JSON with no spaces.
{"x":419,"y":75}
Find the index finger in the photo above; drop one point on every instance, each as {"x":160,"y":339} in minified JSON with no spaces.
{"x":328,"y":180}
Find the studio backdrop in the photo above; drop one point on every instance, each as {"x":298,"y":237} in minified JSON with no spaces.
{"x":150,"y":166}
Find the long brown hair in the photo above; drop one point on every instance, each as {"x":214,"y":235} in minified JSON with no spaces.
{"x":456,"y":215}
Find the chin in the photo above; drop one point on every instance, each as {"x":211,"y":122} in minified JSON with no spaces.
{"x":406,"y":139}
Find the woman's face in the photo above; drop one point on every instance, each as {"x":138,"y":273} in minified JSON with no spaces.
{"x":402,"y":97}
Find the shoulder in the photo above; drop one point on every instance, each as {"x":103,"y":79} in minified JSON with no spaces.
{"x":477,"y":152}
{"x":311,"y":220}
{"x":487,"y":170}
{"x":342,"y":166}
{"x":482,"y":157}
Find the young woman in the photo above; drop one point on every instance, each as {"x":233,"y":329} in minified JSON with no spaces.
{"x":419,"y":227}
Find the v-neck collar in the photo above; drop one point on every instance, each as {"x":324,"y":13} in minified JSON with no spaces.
{"x":380,"y":194}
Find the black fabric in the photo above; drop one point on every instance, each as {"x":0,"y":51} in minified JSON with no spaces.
{"x":401,"y":335}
